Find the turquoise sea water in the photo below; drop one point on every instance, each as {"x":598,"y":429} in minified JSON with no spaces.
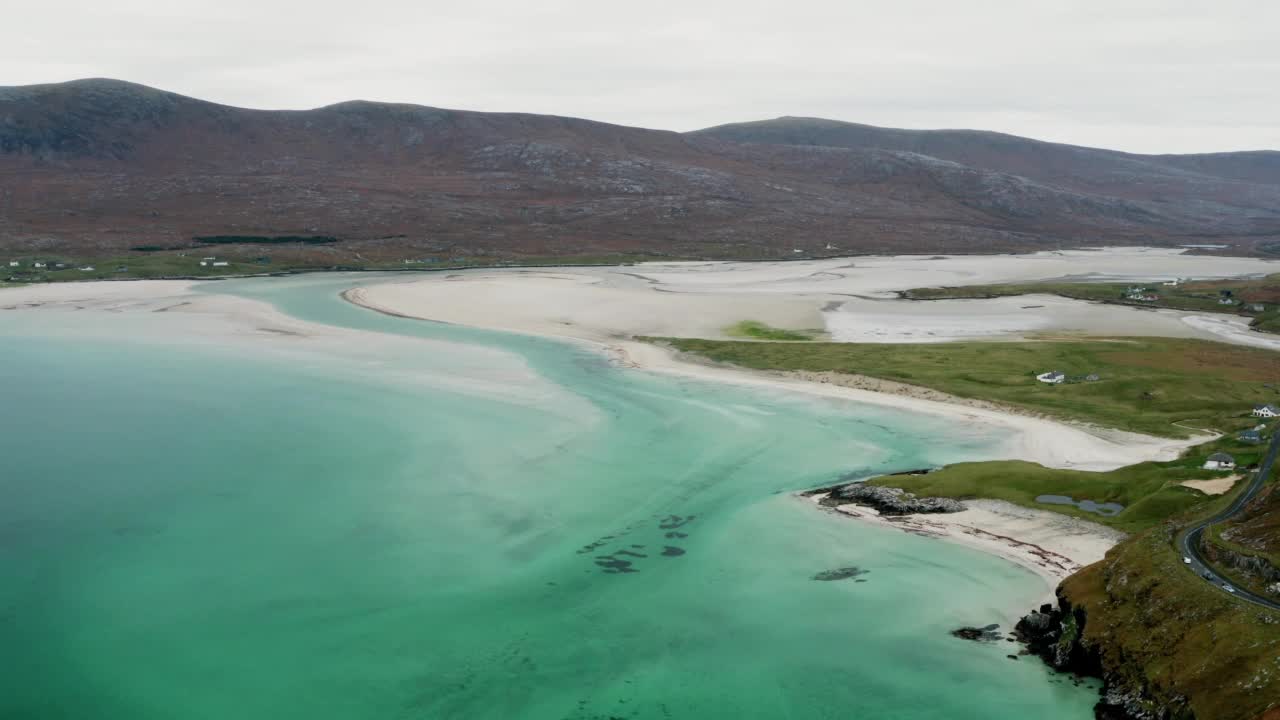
{"x":219,"y":531}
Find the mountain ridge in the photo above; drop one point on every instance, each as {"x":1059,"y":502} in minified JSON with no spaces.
{"x":97,"y":166}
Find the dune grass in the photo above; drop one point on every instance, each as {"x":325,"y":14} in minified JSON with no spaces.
{"x":757,"y":330}
{"x":1147,"y":384}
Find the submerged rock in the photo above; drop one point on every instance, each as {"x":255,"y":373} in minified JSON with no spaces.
{"x":990,"y":633}
{"x":840,"y":573}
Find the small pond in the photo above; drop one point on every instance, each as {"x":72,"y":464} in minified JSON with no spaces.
{"x":1107,"y":509}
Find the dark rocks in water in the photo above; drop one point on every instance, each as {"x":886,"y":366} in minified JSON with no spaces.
{"x":889,"y":500}
{"x":1012,"y":657}
{"x":989,"y":633}
{"x":675,"y":535}
{"x":671,"y":551}
{"x":671,"y":522}
{"x":840,"y":573}
{"x":611,"y":564}
{"x":630,"y":553}
{"x":1054,"y":634}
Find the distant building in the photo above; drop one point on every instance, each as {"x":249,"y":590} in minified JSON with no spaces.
{"x":87,"y":268}
{"x":1257,"y":307}
{"x":1250,"y":436}
{"x":221,"y":263}
{"x":1172,"y":283}
{"x":1052,"y":377}
{"x":1226,"y":300}
{"x":1092,"y":377}
{"x":1266,"y":411}
{"x":14,"y":263}
{"x":1220,"y":461}
{"x":38,"y":265}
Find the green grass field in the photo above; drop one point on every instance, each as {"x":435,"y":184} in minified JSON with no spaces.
{"x":759,"y":331}
{"x":1200,"y":296}
{"x":1150,"y":491}
{"x":1147,"y":384}
{"x":250,"y":259}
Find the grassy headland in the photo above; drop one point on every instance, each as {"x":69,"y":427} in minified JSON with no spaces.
{"x":1199,"y":296}
{"x":1169,"y":641}
{"x":1150,"y":492}
{"x":1160,"y":386}
{"x":1190,"y":648}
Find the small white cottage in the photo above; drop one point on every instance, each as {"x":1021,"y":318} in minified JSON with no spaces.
{"x":1052,"y":377}
{"x":1266,"y":411}
{"x":1220,"y":461}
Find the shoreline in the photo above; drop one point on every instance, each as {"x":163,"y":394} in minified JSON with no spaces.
{"x":989,"y":530}
{"x":1036,"y":438}
{"x":1049,"y":544}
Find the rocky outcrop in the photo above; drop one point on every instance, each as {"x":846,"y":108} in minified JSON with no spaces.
{"x":1053,"y":634}
{"x":987,"y":633}
{"x":1056,"y":635}
{"x":1257,"y":569}
{"x":888,"y":500}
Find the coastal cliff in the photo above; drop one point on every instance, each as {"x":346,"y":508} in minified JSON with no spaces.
{"x":1166,"y":645}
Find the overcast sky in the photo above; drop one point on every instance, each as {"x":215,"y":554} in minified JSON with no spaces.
{"x":1139,"y":75}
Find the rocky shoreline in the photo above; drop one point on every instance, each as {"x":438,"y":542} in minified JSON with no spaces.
{"x":1054,"y":634}
{"x":885,"y":500}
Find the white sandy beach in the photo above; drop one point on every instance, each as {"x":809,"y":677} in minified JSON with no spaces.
{"x":607,"y":307}
{"x":1048,"y":543}
{"x":851,"y":299}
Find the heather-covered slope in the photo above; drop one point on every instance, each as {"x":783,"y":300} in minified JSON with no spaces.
{"x":100,"y":166}
{"x":1168,"y":644}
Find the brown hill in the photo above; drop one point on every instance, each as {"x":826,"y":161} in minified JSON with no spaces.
{"x":99,"y":166}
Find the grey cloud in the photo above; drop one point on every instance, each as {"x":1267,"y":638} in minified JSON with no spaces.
{"x":1141,"y":75}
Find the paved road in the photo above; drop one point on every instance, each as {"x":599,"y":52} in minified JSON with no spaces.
{"x":1189,"y":542}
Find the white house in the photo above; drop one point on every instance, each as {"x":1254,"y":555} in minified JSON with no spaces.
{"x":37,"y":265}
{"x":1220,"y":461}
{"x":87,"y":268}
{"x":1052,"y":377}
{"x":220,"y":263}
{"x":1266,"y":411}
{"x":14,"y":263}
